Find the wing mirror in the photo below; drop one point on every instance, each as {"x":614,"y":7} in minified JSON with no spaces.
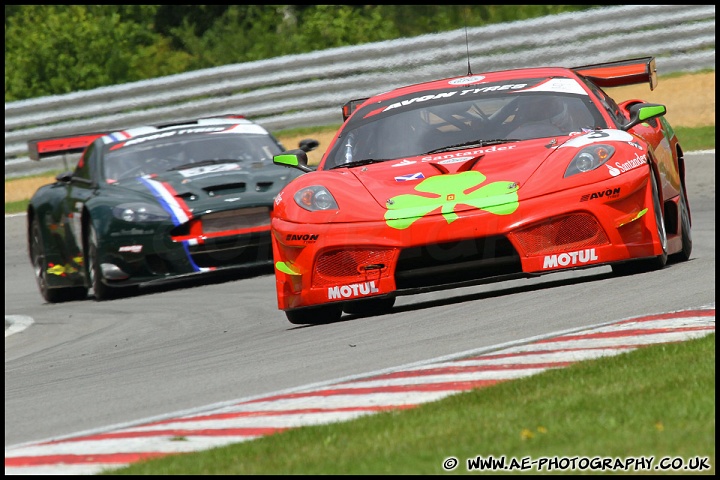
{"x":308,"y":144}
{"x":642,"y":112}
{"x":296,"y":158}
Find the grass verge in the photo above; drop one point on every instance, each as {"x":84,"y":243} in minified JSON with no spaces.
{"x":656,"y":401}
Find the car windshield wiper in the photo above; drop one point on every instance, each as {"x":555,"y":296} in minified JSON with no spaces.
{"x":474,"y":143}
{"x":357,"y":163}
{"x":204,"y":163}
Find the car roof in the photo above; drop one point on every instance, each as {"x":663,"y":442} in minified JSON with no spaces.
{"x":76,"y":143}
{"x":239,"y":124}
{"x":485,"y":77}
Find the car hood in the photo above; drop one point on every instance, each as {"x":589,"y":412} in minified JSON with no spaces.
{"x":486,"y":178}
{"x":199,"y":190}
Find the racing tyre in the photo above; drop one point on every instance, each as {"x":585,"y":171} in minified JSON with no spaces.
{"x":369,"y":306}
{"x":686,"y":230}
{"x":94,"y":272}
{"x":656,"y":263}
{"x":314,"y":315}
{"x":37,"y":256}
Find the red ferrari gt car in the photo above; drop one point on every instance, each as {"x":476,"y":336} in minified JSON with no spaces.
{"x":476,"y":179}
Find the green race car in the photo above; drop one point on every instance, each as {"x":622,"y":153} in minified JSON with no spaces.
{"x":154,"y":203}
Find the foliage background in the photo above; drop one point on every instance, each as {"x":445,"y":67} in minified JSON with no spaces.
{"x":57,"y":49}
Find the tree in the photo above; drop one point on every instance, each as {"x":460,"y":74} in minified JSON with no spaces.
{"x":54,"y":49}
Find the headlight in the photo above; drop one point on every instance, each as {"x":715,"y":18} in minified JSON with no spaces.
{"x":315,"y":198}
{"x":140,"y":212}
{"x":589,"y":158}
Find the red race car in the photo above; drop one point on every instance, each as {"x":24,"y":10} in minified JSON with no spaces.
{"x":477,"y":179}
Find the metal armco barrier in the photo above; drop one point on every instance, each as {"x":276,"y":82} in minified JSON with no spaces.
{"x":308,"y":90}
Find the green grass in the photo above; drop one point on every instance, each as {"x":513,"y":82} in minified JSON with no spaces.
{"x":309,"y":131}
{"x":698,"y":138}
{"x":21,"y":205}
{"x":16,"y":207}
{"x":655,"y":401}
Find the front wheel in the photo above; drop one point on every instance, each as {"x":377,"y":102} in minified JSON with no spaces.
{"x":658,"y":262}
{"x":686,"y":230}
{"x":94,"y":271}
{"x":314,"y":315}
{"x":370,"y":306}
{"x":37,"y":257}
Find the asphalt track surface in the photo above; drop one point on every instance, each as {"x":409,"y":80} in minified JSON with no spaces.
{"x":82,"y":366}
{"x":111,"y":447}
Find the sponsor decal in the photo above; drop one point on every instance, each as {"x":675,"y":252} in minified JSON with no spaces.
{"x":563,"y":85}
{"x":445,"y":192}
{"x":403,"y":163}
{"x":493,"y":88}
{"x":245,"y":128}
{"x":131,"y":248}
{"x":172,"y":133}
{"x":596,"y":136}
{"x":223,"y":167}
{"x":132,"y":231}
{"x":459,"y":93}
{"x":455,"y":160}
{"x":631,"y":164}
{"x":306,"y":237}
{"x":467,"y":80}
{"x":352,"y":290}
{"x":614,"y":172}
{"x":636,"y":145}
{"x":464,"y":153}
{"x":410,"y":176}
{"x":609,"y":193}
{"x":570,"y":258}
{"x":60,"y":270}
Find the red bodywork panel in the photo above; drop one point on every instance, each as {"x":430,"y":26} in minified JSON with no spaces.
{"x":620,"y":73}
{"x":49,"y":147}
{"x":471,"y":210}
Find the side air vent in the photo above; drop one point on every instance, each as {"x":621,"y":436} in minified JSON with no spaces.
{"x":226,"y":189}
{"x":263,"y":186}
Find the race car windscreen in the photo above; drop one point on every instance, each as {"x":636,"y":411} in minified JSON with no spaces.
{"x":411,"y":128}
{"x":157,"y":155}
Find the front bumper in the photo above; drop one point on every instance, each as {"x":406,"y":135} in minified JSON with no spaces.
{"x":155,"y":258}
{"x":334,"y":262}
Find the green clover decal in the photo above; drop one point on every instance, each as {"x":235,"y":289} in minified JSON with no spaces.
{"x":447,"y":191}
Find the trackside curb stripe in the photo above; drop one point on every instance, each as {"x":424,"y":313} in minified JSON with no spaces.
{"x":344,"y":399}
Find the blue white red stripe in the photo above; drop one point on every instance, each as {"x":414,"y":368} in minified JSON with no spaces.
{"x":115,"y":137}
{"x":165,"y":194}
{"x":177,"y":208}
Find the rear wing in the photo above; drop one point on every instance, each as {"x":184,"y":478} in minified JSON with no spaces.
{"x":49,"y":147}
{"x":351,"y":106}
{"x":195,"y":121}
{"x":620,"y":73}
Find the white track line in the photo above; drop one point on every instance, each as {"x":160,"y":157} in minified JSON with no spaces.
{"x":345,"y":399}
